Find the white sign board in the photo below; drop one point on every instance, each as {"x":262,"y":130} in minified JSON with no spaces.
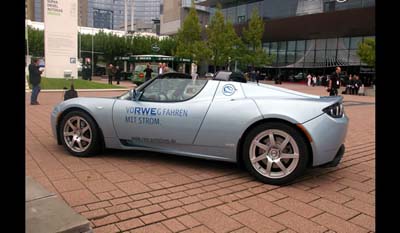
{"x":61,"y":37}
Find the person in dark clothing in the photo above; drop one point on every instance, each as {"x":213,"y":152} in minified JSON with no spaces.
{"x":148,"y":72}
{"x":71,"y":93}
{"x":110,"y":72}
{"x":357,"y":84}
{"x":34,"y":80}
{"x":117,"y":74}
{"x":334,"y":82}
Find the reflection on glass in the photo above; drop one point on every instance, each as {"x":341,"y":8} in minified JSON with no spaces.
{"x":291,"y":46}
{"x":354,"y":42}
{"x":320,"y":44}
{"x":310,"y":44}
{"x":331,"y":43}
{"x":300,"y":45}
{"x":282,"y":45}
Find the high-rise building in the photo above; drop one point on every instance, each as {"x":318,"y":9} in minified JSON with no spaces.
{"x":174,"y":12}
{"x":108,"y":14}
{"x":83,"y":13}
{"x":307,"y":35}
{"x":111,"y":13}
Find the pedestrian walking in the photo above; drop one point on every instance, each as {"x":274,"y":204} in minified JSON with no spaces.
{"x":34,"y":80}
{"x":117,"y":74}
{"x":357,"y":85}
{"x":148,"y":72}
{"x":110,"y":73}
{"x":314,"y":80}
{"x":334,"y":82}
{"x":160,"y":68}
{"x":309,"y":80}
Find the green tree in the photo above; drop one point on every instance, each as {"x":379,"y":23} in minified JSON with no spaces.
{"x":189,"y":41}
{"x":366,"y":52}
{"x":222,"y":40}
{"x":36,"y":42}
{"x":252,"y":37}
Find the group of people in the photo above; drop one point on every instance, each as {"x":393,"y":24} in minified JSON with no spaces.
{"x":313,"y":80}
{"x":162,"y":68}
{"x":113,"y":72}
{"x":353,"y":85}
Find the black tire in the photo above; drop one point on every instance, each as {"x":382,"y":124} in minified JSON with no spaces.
{"x":94,"y":146}
{"x":303,"y":151}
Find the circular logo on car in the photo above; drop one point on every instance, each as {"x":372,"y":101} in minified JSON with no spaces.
{"x":228,"y":89}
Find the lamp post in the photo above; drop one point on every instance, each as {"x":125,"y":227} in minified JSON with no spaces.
{"x":92,"y":53}
{"x":132,"y":14}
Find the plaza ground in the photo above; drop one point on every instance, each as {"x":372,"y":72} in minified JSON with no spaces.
{"x":135,"y":191}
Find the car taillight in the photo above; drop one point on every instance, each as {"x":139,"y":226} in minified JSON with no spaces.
{"x":335,"y":110}
{"x":141,"y":75}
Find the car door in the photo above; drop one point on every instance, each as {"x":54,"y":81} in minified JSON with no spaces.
{"x":168,"y":112}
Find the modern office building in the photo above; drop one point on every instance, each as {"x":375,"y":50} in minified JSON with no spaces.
{"x":108,"y":14}
{"x":307,"y":35}
{"x":111,"y":13}
{"x":174,"y":12}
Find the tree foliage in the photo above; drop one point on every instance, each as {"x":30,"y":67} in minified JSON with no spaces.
{"x":253,"y":53}
{"x":107,"y":44}
{"x":366,"y":52}
{"x":222,"y":40}
{"x":189,"y":41}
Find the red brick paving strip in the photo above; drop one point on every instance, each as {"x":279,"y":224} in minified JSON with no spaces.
{"x":216,"y":220}
{"x":337,"y":224}
{"x":258,"y":222}
{"x":298,"y":223}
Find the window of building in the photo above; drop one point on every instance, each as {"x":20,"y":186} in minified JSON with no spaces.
{"x":266,"y":47}
{"x":281,"y":57}
{"x":310,"y":45}
{"x":329,"y":5}
{"x":241,"y":19}
{"x":291,"y":45}
{"x":282,"y":45}
{"x":320,"y":44}
{"x":300,"y":45}
{"x":309,"y":56}
{"x":331,"y":43}
{"x":354,"y":41}
{"x":343,"y":56}
{"x":344,"y":43}
{"x":299,"y":55}
{"x":290,"y":57}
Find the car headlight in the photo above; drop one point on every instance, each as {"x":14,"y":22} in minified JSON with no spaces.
{"x":335,"y":110}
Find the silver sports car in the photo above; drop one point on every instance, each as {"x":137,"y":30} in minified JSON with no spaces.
{"x":274,"y":132}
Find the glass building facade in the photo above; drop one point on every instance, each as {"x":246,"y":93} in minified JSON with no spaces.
{"x":240,"y":11}
{"x":319,"y":53}
{"x":315,"y":53}
{"x":38,"y":9}
{"x":111,"y":13}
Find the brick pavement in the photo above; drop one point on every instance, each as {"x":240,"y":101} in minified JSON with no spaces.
{"x":132,"y":191}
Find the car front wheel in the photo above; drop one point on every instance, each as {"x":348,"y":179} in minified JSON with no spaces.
{"x":275,"y":153}
{"x":79,"y":134}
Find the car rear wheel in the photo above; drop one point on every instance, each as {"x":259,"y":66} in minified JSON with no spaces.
{"x":79,"y":134}
{"x":275,"y":153}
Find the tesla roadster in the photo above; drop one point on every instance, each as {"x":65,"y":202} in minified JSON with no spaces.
{"x":274,"y":132}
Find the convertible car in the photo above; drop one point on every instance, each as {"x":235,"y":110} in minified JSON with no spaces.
{"x":275,"y":133}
